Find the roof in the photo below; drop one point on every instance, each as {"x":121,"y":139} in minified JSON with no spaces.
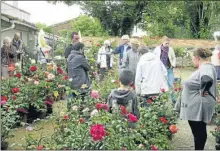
{"x":18,"y":21}
{"x":54,"y":25}
{"x":16,"y":8}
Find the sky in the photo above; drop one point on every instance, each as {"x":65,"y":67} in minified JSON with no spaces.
{"x":44,"y":12}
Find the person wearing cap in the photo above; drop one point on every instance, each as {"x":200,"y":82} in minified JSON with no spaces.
{"x":151,"y":76}
{"x":104,"y":59}
{"x":166,"y":54}
{"x":122,"y":49}
{"x":132,"y":57}
{"x":124,"y":96}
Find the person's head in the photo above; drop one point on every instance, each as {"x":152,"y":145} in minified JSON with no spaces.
{"x":74,"y":37}
{"x":200,"y":55}
{"x":166,"y":41}
{"x":143,"y":50}
{"x":17,"y":36}
{"x":125,"y":39}
{"x":78,"y":46}
{"x":7,"y":41}
{"x":126,"y":77}
{"x":107,"y":43}
{"x":134,"y":44}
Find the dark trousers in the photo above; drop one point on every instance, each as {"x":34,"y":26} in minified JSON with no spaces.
{"x":200,"y":134}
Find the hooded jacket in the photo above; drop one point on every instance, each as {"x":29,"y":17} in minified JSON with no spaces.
{"x":78,"y":68}
{"x":151,"y":75}
{"x":126,"y":98}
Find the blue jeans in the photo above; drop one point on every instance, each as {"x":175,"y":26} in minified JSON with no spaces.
{"x":170,"y":83}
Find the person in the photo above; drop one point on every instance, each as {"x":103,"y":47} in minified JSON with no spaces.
{"x":16,"y":48}
{"x":78,"y":68}
{"x":69,"y":48}
{"x":197,"y":102}
{"x":132,"y":57}
{"x":215,"y":59}
{"x":122,"y":49}
{"x":151,"y":76}
{"x":124,"y":96}
{"x":167,"y":56}
{"x":4,"y":57}
{"x":104,"y":59}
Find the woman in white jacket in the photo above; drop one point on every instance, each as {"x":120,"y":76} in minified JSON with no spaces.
{"x":215,"y":59}
{"x":151,"y":76}
{"x":105,"y":59}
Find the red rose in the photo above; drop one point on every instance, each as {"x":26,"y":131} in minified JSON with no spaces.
{"x":15,"y":90}
{"x":154,"y":147}
{"x":124,"y":148}
{"x":66,"y":117}
{"x":132,"y":118}
{"x":95,"y":94}
{"x":123,"y":110}
{"x":173,"y":128}
{"x":65,"y":78}
{"x":59,"y":70}
{"x":163,"y":120}
{"x":40,"y":147}
{"x":13,"y":97}
{"x":33,"y":68}
{"x":82,"y":120}
{"x":4,"y":98}
{"x":97,"y":131}
{"x":180,"y":89}
{"x":18,"y":75}
{"x":48,"y":102}
{"x":149,"y":101}
{"x":98,"y":106}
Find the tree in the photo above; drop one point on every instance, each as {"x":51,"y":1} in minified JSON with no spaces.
{"x":44,"y":27}
{"x":117,"y":17}
{"x":88,"y":26}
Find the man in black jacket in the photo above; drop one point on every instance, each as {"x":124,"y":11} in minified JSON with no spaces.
{"x":69,"y":48}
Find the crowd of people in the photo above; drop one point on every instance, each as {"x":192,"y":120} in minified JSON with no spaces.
{"x":142,"y":72}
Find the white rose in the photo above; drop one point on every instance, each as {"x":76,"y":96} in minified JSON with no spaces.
{"x":94,"y":112}
{"x":85,"y":110}
{"x":33,"y":61}
{"x":70,"y":79}
{"x":75,"y":108}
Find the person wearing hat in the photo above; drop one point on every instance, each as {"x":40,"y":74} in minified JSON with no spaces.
{"x":104,"y":59}
{"x":151,"y":76}
{"x":132,"y":57}
{"x":122,"y":49}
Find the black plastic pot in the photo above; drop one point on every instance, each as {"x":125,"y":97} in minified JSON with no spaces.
{"x":33,"y":114}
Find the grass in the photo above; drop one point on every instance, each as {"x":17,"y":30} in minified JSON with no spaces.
{"x":58,"y":107}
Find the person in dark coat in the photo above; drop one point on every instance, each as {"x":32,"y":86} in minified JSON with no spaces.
{"x":78,"y":68}
{"x":69,"y":48}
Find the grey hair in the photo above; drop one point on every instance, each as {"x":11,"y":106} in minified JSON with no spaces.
{"x":143,"y":50}
{"x":6,"y":40}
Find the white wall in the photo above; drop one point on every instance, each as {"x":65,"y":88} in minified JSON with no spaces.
{"x":15,"y":12}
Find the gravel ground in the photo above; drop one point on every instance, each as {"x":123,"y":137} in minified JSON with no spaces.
{"x":183,"y":139}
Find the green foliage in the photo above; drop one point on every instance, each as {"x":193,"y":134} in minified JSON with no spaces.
{"x":44,"y":27}
{"x":88,"y":26}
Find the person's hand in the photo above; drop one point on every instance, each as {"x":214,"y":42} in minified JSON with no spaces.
{"x":204,"y":94}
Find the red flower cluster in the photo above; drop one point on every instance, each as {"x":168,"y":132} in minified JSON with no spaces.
{"x":4,"y":98}
{"x":65,"y":78}
{"x":100,"y":106}
{"x":178,"y":89}
{"x":18,"y":75}
{"x":123,"y":110}
{"x":163,"y":120}
{"x":22,"y":110}
{"x":97,"y":131}
{"x":40,"y":147}
{"x":154,"y":147}
{"x":66,"y":117}
{"x":33,"y":68}
{"x":59,"y":70}
{"x":15,"y":90}
{"x":132,"y":118}
{"x":149,"y":101}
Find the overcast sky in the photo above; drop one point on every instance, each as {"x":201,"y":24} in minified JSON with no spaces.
{"x":44,"y":12}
